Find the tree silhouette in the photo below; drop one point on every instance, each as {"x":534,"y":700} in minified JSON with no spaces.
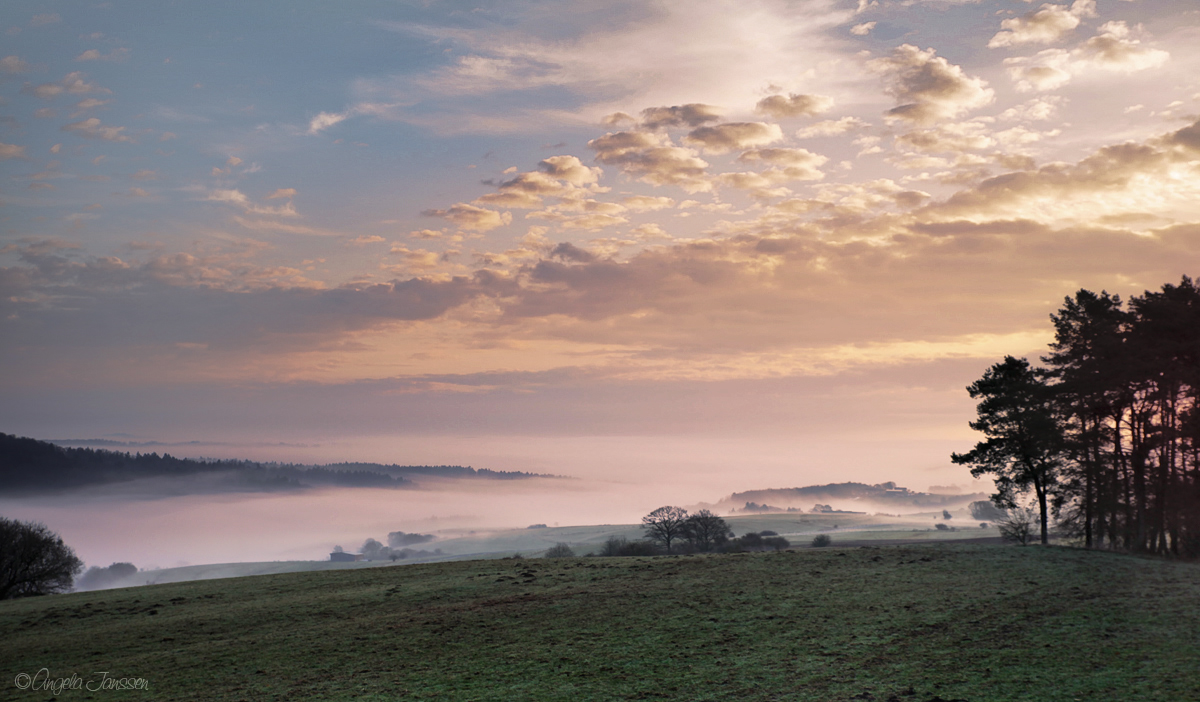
{"x":1122,"y":383}
{"x":705,"y":531}
{"x":665,"y":525}
{"x":1024,"y":439}
{"x":34,"y":560}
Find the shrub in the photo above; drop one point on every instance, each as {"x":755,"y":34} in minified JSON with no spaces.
{"x":821,"y":541}
{"x":619,"y":546}
{"x":1019,"y":526}
{"x":986,"y":511}
{"x":399,"y":539}
{"x":560,"y":550}
{"x":34,"y":560}
{"x":942,"y":526}
{"x":97,"y":578}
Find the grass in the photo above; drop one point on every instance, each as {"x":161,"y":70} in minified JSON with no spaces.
{"x":910,"y":623}
{"x":799,"y":528}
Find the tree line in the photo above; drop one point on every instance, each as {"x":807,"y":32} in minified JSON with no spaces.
{"x":1106,"y":432}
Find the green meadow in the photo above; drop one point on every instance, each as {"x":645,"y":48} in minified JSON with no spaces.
{"x":798,"y":528}
{"x":940,"y":621}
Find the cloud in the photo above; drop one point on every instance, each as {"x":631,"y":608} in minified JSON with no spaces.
{"x":1043,"y":26}
{"x":282,"y":193}
{"x":856,"y":266}
{"x":92,"y":129}
{"x":95,"y":55}
{"x":646,"y":203}
{"x":1111,"y":50}
{"x":88,"y":104}
{"x":8,"y":151}
{"x":417,"y":260}
{"x":862,"y":30}
{"x":1115,"y":179}
{"x":1036,"y":110}
{"x":956,"y":137}
{"x":794,"y":105}
{"x":556,"y":176}
{"x":237,"y":197}
{"x":627,"y":54}
{"x":788,"y":165}
{"x":652,"y":159}
{"x":45,"y":19}
{"x":13,"y":64}
{"x":829,"y":128}
{"x":727,"y":137}
{"x":928,"y":87}
{"x":569,"y":169}
{"x":145,"y":174}
{"x":472,"y":218}
{"x":691,"y":115}
{"x":594,"y":221}
{"x":325,"y":120}
{"x":72,"y":83}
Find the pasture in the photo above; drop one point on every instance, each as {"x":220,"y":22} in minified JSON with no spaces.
{"x":940,"y":621}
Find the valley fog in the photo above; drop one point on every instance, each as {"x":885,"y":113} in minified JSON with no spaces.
{"x":606,"y":481}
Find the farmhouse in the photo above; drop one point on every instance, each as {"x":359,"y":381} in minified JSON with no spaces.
{"x":342,"y":557}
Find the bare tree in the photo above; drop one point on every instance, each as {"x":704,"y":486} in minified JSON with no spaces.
{"x":665,"y":525}
{"x":1019,"y":526}
{"x":34,"y":560}
{"x":705,"y":531}
{"x":560,"y":550}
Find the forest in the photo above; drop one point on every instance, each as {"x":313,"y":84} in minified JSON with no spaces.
{"x":1105,"y":433}
{"x":29,"y":465}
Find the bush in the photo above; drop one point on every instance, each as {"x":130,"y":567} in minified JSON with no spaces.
{"x":97,"y":578}
{"x":34,"y":560}
{"x":986,"y":511}
{"x":619,"y":546}
{"x":1019,"y":526}
{"x":941,"y":526}
{"x":821,"y":541}
{"x":559,"y":550}
{"x":399,"y":539}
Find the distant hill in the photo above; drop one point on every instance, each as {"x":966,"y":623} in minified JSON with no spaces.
{"x":841,"y":497}
{"x":29,"y":465}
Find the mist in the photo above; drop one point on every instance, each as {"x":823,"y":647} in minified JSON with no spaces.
{"x":607,"y":480}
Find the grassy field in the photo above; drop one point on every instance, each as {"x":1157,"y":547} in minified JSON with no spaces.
{"x":456,"y":545}
{"x":905,"y":623}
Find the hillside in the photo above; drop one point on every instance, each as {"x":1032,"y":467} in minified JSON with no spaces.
{"x":29,"y":466}
{"x":844,"y":496}
{"x":850,"y":529}
{"x":911,"y":624}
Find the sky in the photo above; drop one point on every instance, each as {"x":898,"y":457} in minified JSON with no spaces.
{"x":711,"y":246}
